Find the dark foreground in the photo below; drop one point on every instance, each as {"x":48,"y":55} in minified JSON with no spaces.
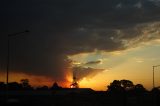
{"x":77,"y":98}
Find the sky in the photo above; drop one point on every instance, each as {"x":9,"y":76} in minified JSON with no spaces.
{"x":97,"y":41}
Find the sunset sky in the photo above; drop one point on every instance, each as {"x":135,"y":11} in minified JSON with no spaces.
{"x":96,"y":40}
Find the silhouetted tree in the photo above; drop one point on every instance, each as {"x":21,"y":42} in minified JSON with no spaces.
{"x":25,"y":84}
{"x":156,"y":96}
{"x":139,"y":88}
{"x":55,"y":86}
{"x":115,"y":86}
{"x":117,"y":90}
{"x":138,"y":91}
{"x":155,"y":90}
{"x":120,"y":85}
{"x":127,"y":84}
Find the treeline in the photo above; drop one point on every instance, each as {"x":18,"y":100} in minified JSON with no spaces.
{"x":118,"y":93}
{"x":128,"y":93}
{"x":24,"y":85}
{"x":127,"y":86}
{"x":117,"y":86}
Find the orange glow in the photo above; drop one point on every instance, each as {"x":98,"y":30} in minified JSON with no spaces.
{"x":71,"y":86}
{"x":36,"y":81}
{"x":68,"y":79}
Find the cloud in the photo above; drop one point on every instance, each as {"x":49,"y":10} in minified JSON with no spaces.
{"x":93,"y":62}
{"x":156,"y":2}
{"x":119,"y":5}
{"x":139,"y":60}
{"x":138,"y":5}
{"x":83,"y":72}
{"x":61,"y":28}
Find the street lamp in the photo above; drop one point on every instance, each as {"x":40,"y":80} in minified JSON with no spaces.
{"x":153,"y":75}
{"x":8,"y":48}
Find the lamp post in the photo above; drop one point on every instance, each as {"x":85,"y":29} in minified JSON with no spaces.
{"x":8,"y":53}
{"x":153,"y":75}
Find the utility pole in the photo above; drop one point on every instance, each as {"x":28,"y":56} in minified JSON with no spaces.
{"x":8,"y":56}
{"x":8,"y":48}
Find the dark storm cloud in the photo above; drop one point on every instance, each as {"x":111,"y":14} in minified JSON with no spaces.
{"x":59,"y":28}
